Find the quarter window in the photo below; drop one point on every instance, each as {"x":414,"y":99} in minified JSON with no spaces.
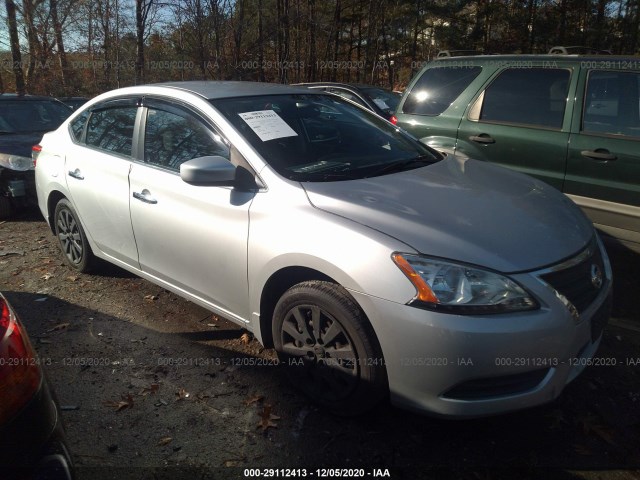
{"x":529,"y":96}
{"x":612,"y":103}
{"x":111,"y":129}
{"x":438,"y":88}
{"x":77,"y":126}
{"x":171,"y":139}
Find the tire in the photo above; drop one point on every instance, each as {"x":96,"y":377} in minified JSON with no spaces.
{"x":5,"y":207}
{"x":71,"y":237}
{"x":338,"y":363}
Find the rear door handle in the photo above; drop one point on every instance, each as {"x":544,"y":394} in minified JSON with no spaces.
{"x":76,"y":174}
{"x":598,"y":154}
{"x":145,"y":196}
{"x":482,"y":138}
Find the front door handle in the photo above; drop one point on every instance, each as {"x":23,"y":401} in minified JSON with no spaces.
{"x":482,"y":138}
{"x":598,"y":154}
{"x":145,"y":196}
{"x":76,"y":174}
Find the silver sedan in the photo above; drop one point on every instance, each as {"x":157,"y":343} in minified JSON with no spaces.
{"x":375,"y":266}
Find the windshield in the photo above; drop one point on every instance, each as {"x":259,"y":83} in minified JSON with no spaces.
{"x":315,"y":138}
{"x":26,"y":116}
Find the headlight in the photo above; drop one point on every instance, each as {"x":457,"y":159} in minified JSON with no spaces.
{"x":461,"y":289}
{"x":16,"y":162}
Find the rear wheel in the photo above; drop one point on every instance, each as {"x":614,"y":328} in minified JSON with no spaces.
{"x":329,"y":348}
{"x":71,"y":237}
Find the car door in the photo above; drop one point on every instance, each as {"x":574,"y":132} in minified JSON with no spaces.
{"x":97,"y":175}
{"x":520,"y":120}
{"x":603,"y":170}
{"x":193,"y":238}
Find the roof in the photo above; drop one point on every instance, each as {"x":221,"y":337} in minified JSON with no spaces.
{"x":28,"y":98}
{"x":540,"y":57}
{"x":228,"y":89}
{"x":338,"y":84}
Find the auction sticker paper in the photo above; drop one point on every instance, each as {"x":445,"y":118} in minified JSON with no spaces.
{"x":268,"y":125}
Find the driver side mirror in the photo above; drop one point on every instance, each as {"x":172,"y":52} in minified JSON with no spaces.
{"x":210,"y":170}
{"x":217,"y":171}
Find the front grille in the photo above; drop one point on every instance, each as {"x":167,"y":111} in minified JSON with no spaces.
{"x":575,"y":282}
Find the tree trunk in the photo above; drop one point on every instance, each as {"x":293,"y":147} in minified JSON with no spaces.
{"x":261,"y":77}
{"x":139,"y":42}
{"x":62,"y":55}
{"x":32,"y":38}
{"x":16,"y":56}
{"x":237,"y":35}
{"x":311,"y":20}
{"x":336,"y":38}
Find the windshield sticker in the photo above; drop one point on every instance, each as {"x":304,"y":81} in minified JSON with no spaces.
{"x":268,"y":125}
{"x":381,"y":103}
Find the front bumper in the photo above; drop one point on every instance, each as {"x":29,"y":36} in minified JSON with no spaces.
{"x":470,"y":366}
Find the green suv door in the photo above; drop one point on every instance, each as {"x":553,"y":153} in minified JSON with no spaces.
{"x":603,"y":169}
{"x":519,"y":121}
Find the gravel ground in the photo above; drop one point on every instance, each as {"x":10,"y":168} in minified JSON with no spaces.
{"x":153,"y":386}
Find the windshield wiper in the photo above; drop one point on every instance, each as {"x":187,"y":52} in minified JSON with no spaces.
{"x":321,"y":176}
{"x":402,"y":165}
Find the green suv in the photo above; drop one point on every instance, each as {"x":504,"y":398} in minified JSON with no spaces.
{"x":570,"y":120}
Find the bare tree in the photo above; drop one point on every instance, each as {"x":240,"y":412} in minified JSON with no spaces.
{"x":62,"y":55}
{"x":143,"y":9}
{"x":16,"y":56}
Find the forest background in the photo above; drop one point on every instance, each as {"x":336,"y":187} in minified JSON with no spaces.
{"x":84,"y":47}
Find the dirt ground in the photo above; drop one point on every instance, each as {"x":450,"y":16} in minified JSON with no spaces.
{"x":153,"y":386}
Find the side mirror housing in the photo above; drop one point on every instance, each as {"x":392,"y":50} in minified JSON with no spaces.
{"x":211,"y":170}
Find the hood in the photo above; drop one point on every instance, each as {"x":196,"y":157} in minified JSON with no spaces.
{"x":464,"y":210}
{"x":19,"y":143}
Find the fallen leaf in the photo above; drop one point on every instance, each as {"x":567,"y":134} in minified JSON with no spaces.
{"x":254,"y":399}
{"x":164,"y":441}
{"x":150,"y":298}
{"x":151,"y":389}
{"x":267,"y":419}
{"x":6,"y":253}
{"x":246,"y":338}
{"x":72,"y":278}
{"x":182,"y":394}
{"x":60,"y":326}
{"x":126,"y":402}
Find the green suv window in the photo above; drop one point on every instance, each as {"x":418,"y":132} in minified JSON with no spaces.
{"x":438,"y":88}
{"x":530,"y":96}
{"x":611,"y":104}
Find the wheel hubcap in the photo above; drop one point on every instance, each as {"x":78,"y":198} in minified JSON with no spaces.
{"x":323,"y":358}
{"x":69,"y":236}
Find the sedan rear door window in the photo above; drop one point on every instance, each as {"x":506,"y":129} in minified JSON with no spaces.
{"x":111,"y":129}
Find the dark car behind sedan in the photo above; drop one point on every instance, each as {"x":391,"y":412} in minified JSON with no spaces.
{"x":380,"y":101}
{"x":23,"y":121}
{"x":32,"y":438}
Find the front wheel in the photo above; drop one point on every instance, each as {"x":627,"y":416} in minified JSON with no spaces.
{"x":329,"y":347}
{"x":71,"y":237}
